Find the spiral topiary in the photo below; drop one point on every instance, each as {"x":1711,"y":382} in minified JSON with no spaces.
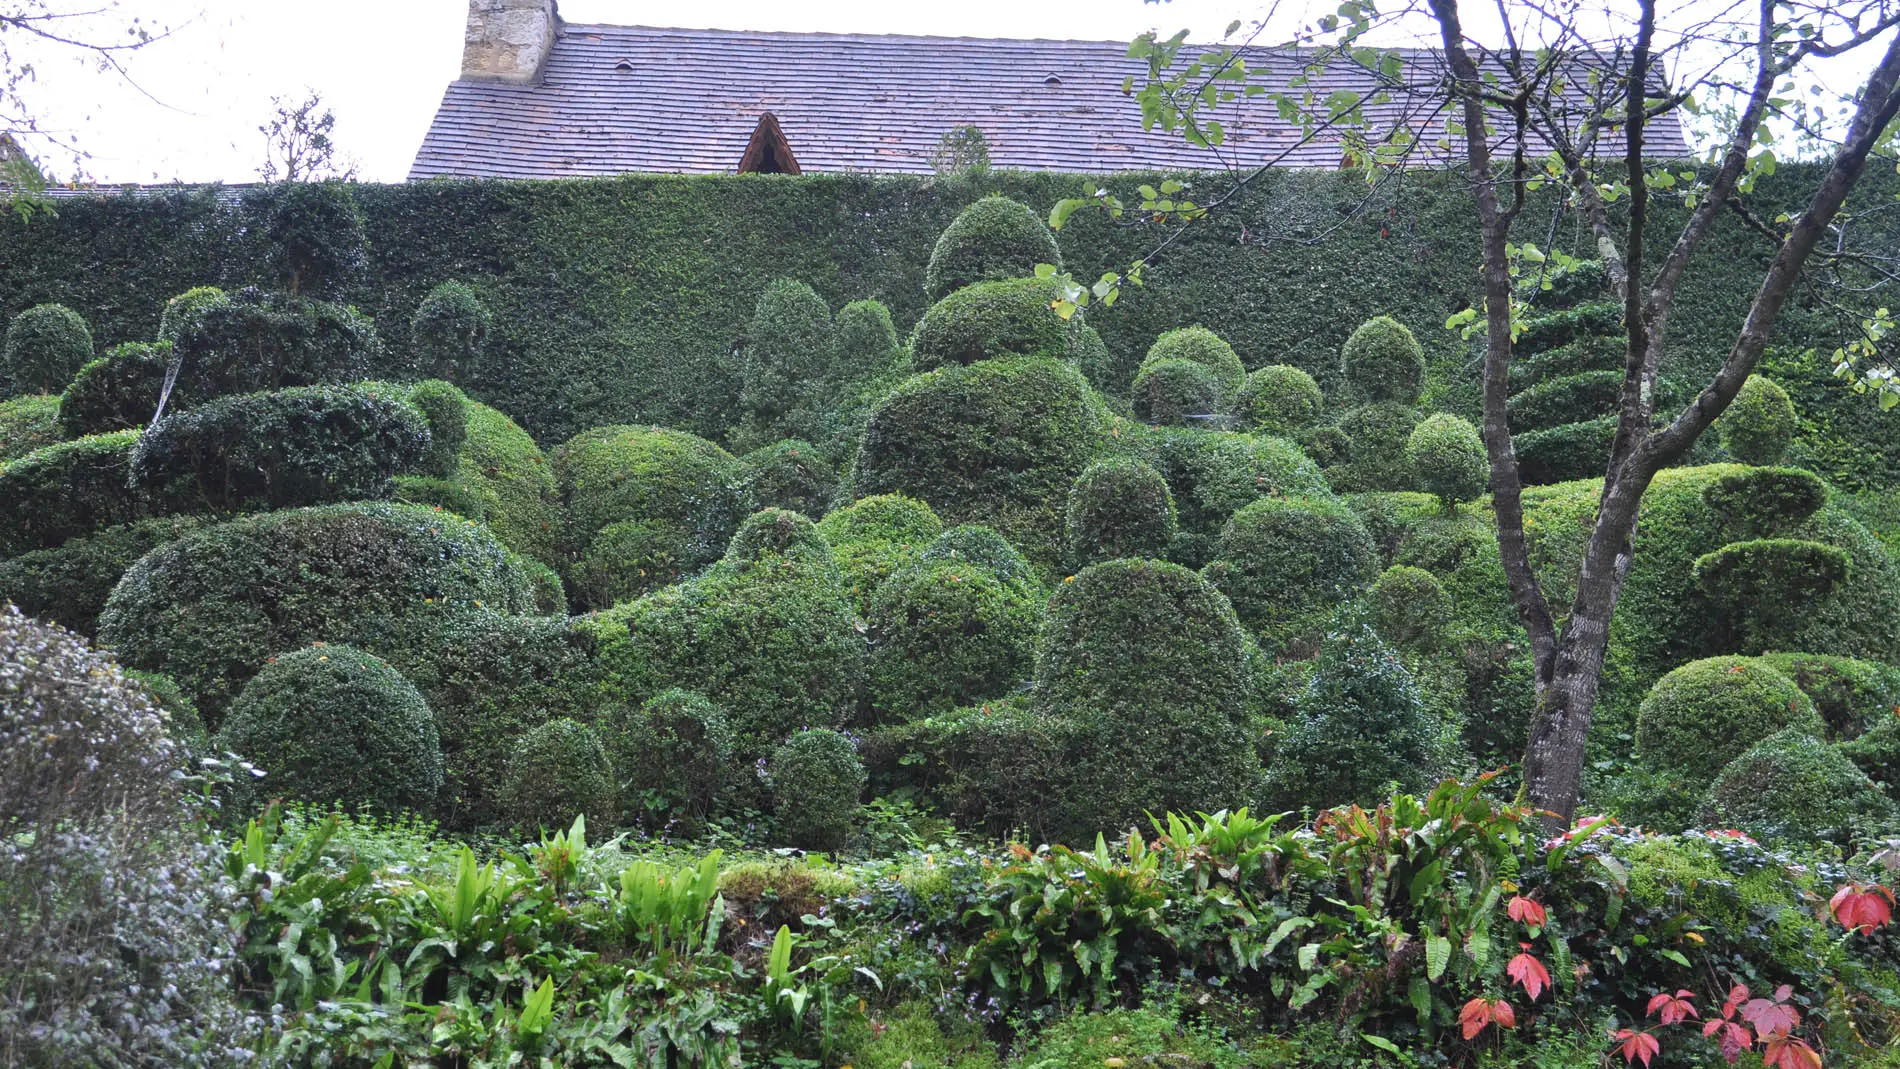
{"x":1448,"y":459}
{"x":1382,"y":361}
{"x":1119,"y":507}
{"x":558,"y":771}
{"x":817,"y":780}
{"x":46,"y":345}
{"x":1177,"y":393}
{"x":993,"y":238}
{"x":1279,"y":399}
{"x":1759,"y":423}
{"x":1203,"y":347}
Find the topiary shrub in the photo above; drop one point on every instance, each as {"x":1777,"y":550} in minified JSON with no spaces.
{"x":181,"y":309}
{"x":116,"y":949}
{"x":1560,"y":454}
{"x":116,"y":391}
{"x":313,"y":232}
{"x":1379,"y":433}
{"x":817,"y":779}
{"x":1148,"y":665}
{"x":46,"y":345}
{"x":1765,"y":588}
{"x":558,"y":771}
{"x":1326,"y":444}
{"x":207,"y":609}
{"x":444,"y":494}
{"x":1447,"y":458}
{"x":1852,"y":696}
{"x":1279,"y":399}
{"x":991,"y":320}
{"x":1206,"y":348}
{"x":996,"y":443}
{"x":1555,"y":402}
{"x":1359,"y":729}
{"x":984,"y":547}
{"x":446,"y":410}
{"x":67,"y":490}
{"x":251,"y":340}
{"x":1759,"y":423}
{"x":789,"y":351}
{"x":1119,"y":507}
{"x":331,"y":723}
{"x":1409,"y":608}
{"x":1756,"y":502}
{"x":1792,"y":787}
{"x":1213,"y":474}
{"x":1382,"y":361}
{"x":501,"y":465}
{"x":628,"y":559}
{"x":1288,"y":563}
{"x":789,"y":474}
{"x":302,"y":446}
{"x":873,"y":537}
{"x":1701,"y":716}
{"x":28,"y":423}
{"x":994,"y":238}
{"x":449,"y":330}
{"x":1877,"y":753}
{"x":69,"y":583}
{"x":782,"y":533}
{"x":945,"y":634}
{"x":867,"y":343}
{"x":992,"y":767}
{"x":674,"y":755}
{"x":1177,"y":393}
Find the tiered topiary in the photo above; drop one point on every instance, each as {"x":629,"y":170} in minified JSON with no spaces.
{"x":789,"y":350}
{"x":28,"y":423}
{"x":1791,"y":787}
{"x":678,"y":493}
{"x":946,"y":633}
{"x":69,"y":583}
{"x":1287,"y":564}
{"x":1448,"y":459}
{"x":208,"y":608}
{"x":1148,"y":666}
{"x":1359,"y":729}
{"x":1759,"y":423}
{"x":994,"y":238}
{"x":45,"y":347}
{"x":1178,"y":393}
{"x":674,"y":755}
{"x":1409,"y":608}
{"x":1765,"y":587}
{"x":116,"y":391}
{"x":997,"y":442}
{"x":67,"y":490}
{"x":991,"y":320}
{"x":251,"y":340}
{"x":789,"y":474}
{"x":558,"y":771}
{"x":333,"y":724}
{"x":1119,"y":507}
{"x":1702,"y":715}
{"x":817,"y":780}
{"x":449,"y":330}
{"x":1279,"y":399}
{"x":875,"y":536}
{"x":1568,"y":374}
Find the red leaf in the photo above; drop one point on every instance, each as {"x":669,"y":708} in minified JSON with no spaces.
{"x":1734,"y":1041}
{"x":1786,"y":1053}
{"x":1503,"y":1015}
{"x":1526,"y":911}
{"x":1529,"y":972}
{"x":1862,"y":907}
{"x":1636,"y":1046}
{"x":1674,"y":1009}
{"x":1479,"y":1013}
{"x":1770,"y":1018}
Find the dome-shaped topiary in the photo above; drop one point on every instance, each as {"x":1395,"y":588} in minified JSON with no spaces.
{"x":46,"y":345}
{"x":334,"y":724}
{"x":1279,"y":399}
{"x":28,"y":423}
{"x":973,"y":543}
{"x":446,"y":410}
{"x":1358,"y":731}
{"x":989,"y":320}
{"x":1177,"y":393}
{"x":993,"y":238}
{"x":1409,"y":608}
{"x":501,"y":464}
{"x":817,"y":780}
{"x":867,"y":342}
{"x":1757,"y":502}
{"x":558,"y":771}
{"x":1853,"y":696}
{"x":448,"y":330}
{"x":1288,"y":563}
{"x":1702,"y":715}
{"x":788,"y":474}
{"x":1205,"y":348}
{"x":1384,"y":362}
{"x":1759,"y":423}
{"x":1379,"y":433}
{"x":778,"y":533}
{"x":626,"y":560}
{"x":1791,"y":787}
{"x":1213,"y":474}
{"x":1448,"y":458}
{"x":677,"y":748}
{"x":1119,"y":507}
{"x":946,"y":634}
{"x":1765,"y":588}
{"x":183,"y":308}
{"x":789,"y":350}
{"x":873,"y":537}
{"x":117,"y":390}
{"x":69,"y":489}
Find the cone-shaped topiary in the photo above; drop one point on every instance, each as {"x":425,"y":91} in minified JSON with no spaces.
{"x":1279,"y":399}
{"x":46,"y":345}
{"x":1448,"y":458}
{"x":1793,"y":788}
{"x":993,"y":238}
{"x":1178,"y":393}
{"x":1205,"y":348}
{"x":448,"y":330}
{"x":817,"y":780}
{"x":1759,"y":423}
{"x":1288,"y":563}
{"x":558,"y":771}
{"x":1119,"y":507}
{"x":1384,"y":362}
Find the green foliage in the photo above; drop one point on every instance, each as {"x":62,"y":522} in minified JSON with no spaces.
{"x":1570,"y":399}
{"x":46,"y":345}
{"x":504,"y":467}
{"x":788,"y":474}
{"x":1792,"y":787}
{"x":1177,"y":393}
{"x":873,"y":537}
{"x":67,"y":490}
{"x":1279,"y":399}
{"x":69,"y":583}
{"x":1201,"y":346}
{"x":993,"y":238}
{"x":1756,"y":502}
{"x":671,"y":913}
{"x":1704,"y":714}
{"x":208,"y":608}
{"x":180,"y":309}
{"x":674,"y":755}
{"x":1409,"y":608}
{"x":774,"y":533}
{"x":1382,"y":361}
{"x":1214,"y":474}
{"x":948,"y":633}
{"x":992,"y":767}
{"x":1852,"y":696}
{"x":982,"y":547}
{"x":1130,"y":1036}
{"x":992,"y":320}
{"x":302,"y":446}
{"x":1147,"y":663}
{"x":1119,"y":507}
{"x":626,"y":560}
{"x":817,"y":780}
{"x":1377,"y":458}
{"x":557,"y":772}
{"x":331,"y":723}
{"x":789,"y":350}
{"x":115,"y":391}
{"x":867,"y":342}
{"x":1759,"y":423}
{"x":28,"y":423}
{"x":444,"y":494}
{"x":1288,"y":563}
{"x":446,"y":409}
{"x":251,"y":340}
{"x":996,"y":443}
{"x":449,"y":330}
{"x":1767,"y":586}
{"x":1448,"y":459}
{"x":313,"y":231}
{"x":1572,"y":451}
{"x":1358,"y":729}
{"x":1326,"y":444}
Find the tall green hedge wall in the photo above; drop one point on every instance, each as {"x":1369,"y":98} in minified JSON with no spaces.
{"x":621,"y":300}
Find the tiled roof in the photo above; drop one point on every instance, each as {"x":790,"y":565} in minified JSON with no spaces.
{"x":615,"y":99}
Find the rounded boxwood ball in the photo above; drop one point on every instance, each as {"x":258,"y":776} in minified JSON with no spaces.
{"x":1759,"y":423}
{"x":1409,"y":608}
{"x":1702,"y":715}
{"x":1384,"y":362}
{"x":1119,"y":507}
{"x":989,"y":320}
{"x":183,"y":308}
{"x":336,"y":724}
{"x":973,"y":543}
{"x":626,"y":560}
{"x":560,"y":770}
{"x":788,"y":474}
{"x":778,"y":533}
{"x":1792,"y":787}
{"x":449,"y":329}
{"x":817,"y":779}
{"x":993,"y":238}
{"x":674,"y":752}
{"x":46,"y":346}
{"x":1177,"y":393}
{"x":1205,"y":348}
{"x":1280,"y":399}
{"x":945,"y":634}
{"x":1448,"y":458}
{"x":1287,"y":563}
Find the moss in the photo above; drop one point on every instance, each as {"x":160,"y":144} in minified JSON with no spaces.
{"x":1759,"y":423}
{"x":1792,"y":787}
{"x":1206,"y":348}
{"x":116,"y":391}
{"x":449,"y":329}
{"x":331,"y":723}
{"x":28,"y":423}
{"x":1409,"y":608}
{"x":817,"y":780}
{"x":1448,"y":458}
{"x":674,"y":754}
{"x":1382,"y":361}
{"x":1177,"y":393}
{"x":992,"y":320}
{"x":69,"y":583}
{"x":558,"y":771}
{"x":873,"y":537}
{"x":1377,"y":460}
{"x":45,"y":347}
{"x":1279,"y":399}
{"x":917,"y":1035}
{"x":1288,"y":563}
{"x":1144,"y":1035}
{"x":1119,"y":507}
{"x":993,"y":238}
{"x":68,"y":490}
{"x":948,"y":633}
{"x":789,"y":474}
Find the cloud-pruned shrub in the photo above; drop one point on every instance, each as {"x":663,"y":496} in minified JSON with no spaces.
{"x":993,"y":238}
{"x":1447,"y":458}
{"x":1279,"y":399}
{"x":1759,"y":423}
